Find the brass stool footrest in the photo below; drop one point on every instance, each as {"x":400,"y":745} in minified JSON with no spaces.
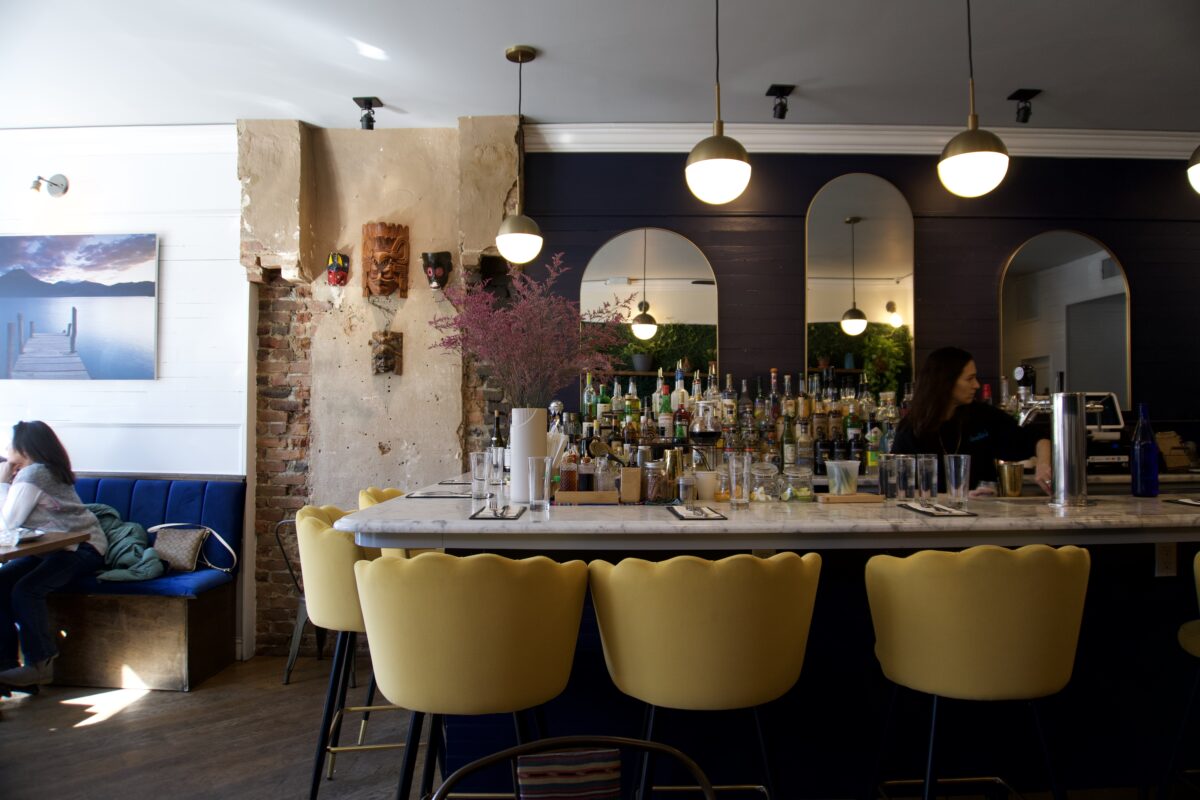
{"x":362,"y":732}
{"x":981,"y":784}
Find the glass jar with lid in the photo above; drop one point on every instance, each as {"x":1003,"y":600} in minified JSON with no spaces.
{"x":764,"y":482}
{"x":796,"y":485}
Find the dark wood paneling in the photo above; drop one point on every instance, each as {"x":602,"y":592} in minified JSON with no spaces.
{"x":1143,"y":210}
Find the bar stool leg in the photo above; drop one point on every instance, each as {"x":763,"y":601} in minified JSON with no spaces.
{"x":362,"y":728}
{"x":1041,"y":732}
{"x":762,"y":749}
{"x":1179,"y":737}
{"x":335,"y":678}
{"x":930,"y":782}
{"x":320,"y":634}
{"x":409,"y":764}
{"x":647,"y":762}
{"x":347,"y":670}
{"x":297,"y":635}
{"x":431,"y":753}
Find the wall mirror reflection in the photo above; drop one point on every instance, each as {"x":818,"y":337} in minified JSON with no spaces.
{"x":675,"y":280}
{"x":859,"y":268}
{"x":1064,"y":307}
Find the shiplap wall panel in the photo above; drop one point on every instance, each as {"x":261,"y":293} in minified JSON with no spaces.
{"x":180,"y":183}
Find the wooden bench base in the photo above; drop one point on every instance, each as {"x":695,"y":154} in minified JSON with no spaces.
{"x":143,"y":642}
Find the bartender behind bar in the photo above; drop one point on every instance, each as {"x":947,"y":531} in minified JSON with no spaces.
{"x":943,"y":418}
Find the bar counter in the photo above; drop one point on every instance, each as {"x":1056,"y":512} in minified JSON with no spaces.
{"x":1110,"y":519}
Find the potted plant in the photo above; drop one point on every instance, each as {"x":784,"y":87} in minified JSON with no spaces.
{"x":535,"y":343}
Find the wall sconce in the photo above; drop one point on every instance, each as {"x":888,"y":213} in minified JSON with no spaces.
{"x":56,"y":185}
{"x":1024,"y":107}
{"x":437,"y":268}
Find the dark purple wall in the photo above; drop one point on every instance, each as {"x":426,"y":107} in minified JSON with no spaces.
{"x":1144,"y":211}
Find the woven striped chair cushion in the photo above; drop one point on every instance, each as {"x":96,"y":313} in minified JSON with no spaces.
{"x":570,"y":775}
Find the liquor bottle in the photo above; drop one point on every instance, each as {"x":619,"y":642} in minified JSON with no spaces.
{"x":589,"y":401}
{"x":804,"y":409}
{"x":497,"y":434}
{"x":658,"y":383}
{"x":841,"y":448}
{"x":711,"y":392}
{"x":787,"y":442}
{"x":822,"y":451}
{"x":986,"y":395}
{"x":681,"y":421}
{"x":603,"y":401}
{"x":761,"y":409}
{"x":728,"y":401}
{"x":774,"y":399}
{"x":745,"y":408}
{"x":789,"y":399}
{"x":666,"y":416}
{"x":632,"y":404}
{"x":852,"y":424}
{"x":618,"y":400}
{"x":858,"y":453}
{"x":804,"y":445}
{"x":679,"y":396}
{"x":697,"y":393}
{"x":630,"y":435}
{"x":1143,"y":462}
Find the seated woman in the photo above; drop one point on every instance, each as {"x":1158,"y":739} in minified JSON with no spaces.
{"x":37,"y":490}
{"x":944,"y":418}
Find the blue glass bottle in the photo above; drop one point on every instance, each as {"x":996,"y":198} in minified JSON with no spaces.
{"x":1144,"y":457}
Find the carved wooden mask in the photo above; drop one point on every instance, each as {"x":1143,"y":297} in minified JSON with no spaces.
{"x":385,"y":259}
{"x":387,"y":352}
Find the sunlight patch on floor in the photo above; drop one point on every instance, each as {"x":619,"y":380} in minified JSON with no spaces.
{"x":105,"y":705}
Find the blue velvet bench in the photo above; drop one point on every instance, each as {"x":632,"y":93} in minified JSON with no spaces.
{"x":170,"y":632}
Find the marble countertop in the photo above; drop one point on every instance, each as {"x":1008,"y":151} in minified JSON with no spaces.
{"x":430,"y":522}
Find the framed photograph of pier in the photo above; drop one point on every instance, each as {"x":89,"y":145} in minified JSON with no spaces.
{"x":81,"y":307}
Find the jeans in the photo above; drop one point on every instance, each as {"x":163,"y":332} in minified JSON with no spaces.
{"x":24,"y":584}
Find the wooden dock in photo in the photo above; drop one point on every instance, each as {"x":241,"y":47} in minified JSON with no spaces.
{"x":44,"y":356}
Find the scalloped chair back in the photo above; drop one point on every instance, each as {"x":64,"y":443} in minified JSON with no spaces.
{"x":373,"y":496}
{"x":479,"y":634}
{"x":689,"y":633}
{"x":987,"y":623}
{"x":327,"y":558}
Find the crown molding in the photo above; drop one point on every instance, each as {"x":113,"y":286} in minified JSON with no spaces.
{"x":852,"y":139}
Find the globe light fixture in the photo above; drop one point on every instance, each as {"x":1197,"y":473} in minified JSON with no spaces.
{"x":1193,"y":171}
{"x":643,"y":325}
{"x":975,"y":161}
{"x":894,"y":318}
{"x":718,"y":168}
{"x":854,"y":321}
{"x":519,"y":239}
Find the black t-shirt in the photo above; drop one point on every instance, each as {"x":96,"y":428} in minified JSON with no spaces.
{"x":984,"y":432}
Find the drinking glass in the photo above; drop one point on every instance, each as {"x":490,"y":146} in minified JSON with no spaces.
{"x":687,"y":491}
{"x":480,"y":466}
{"x":887,"y":476}
{"x":906,"y":478}
{"x":739,"y":480}
{"x":706,"y":486}
{"x":958,"y":479}
{"x":539,"y":484}
{"x":496,"y":454}
{"x":927,"y":479}
{"x":843,"y":476}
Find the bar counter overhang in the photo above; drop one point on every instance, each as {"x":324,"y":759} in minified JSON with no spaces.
{"x":1110,"y":726}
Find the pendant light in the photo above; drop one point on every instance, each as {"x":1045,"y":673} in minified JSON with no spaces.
{"x":643,"y":325}
{"x":894,"y":317}
{"x":718,"y":168}
{"x":1193,"y":171}
{"x":519,"y":239}
{"x":975,"y":161}
{"x":854,"y":321}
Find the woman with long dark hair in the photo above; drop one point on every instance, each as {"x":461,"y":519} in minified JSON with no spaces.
{"x":944,"y":418}
{"x":37,"y":490}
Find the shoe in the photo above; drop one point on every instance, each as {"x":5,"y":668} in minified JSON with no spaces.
{"x":30,"y":674}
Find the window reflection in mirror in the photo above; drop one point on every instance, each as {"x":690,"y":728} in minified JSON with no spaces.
{"x":882,"y":285}
{"x":1064,"y":307}
{"x":681,"y":289}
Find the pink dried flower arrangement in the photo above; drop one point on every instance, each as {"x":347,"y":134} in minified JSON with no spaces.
{"x":535,"y":344}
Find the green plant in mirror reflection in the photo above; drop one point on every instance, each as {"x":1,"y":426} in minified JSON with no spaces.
{"x":883,"y":353}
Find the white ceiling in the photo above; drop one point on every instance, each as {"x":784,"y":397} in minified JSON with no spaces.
{"x":1102,"y":64}
{"x":1053,"y":249}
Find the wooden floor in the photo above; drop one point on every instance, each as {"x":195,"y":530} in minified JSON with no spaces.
{"x":239,"y":734}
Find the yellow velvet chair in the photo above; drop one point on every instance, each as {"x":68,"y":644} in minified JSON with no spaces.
{"x":987,"y":623}
{"x":478,"y":634}
{"x":1189,"y":640}
{"x":372,"y":496}
{"x":688,"y":633}
{"x":327,"y":558}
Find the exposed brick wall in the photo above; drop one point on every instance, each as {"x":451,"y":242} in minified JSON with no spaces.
{"x":285,"y":327}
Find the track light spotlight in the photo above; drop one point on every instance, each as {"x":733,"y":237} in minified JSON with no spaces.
{"x":1024,"y":108}
{"x":780,"y":91}
{"x":366,"y":120}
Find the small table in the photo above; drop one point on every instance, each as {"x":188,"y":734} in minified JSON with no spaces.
{"x":48,"y":543}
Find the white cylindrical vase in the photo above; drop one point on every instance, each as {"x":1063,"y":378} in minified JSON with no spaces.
{"x":527,"y":437}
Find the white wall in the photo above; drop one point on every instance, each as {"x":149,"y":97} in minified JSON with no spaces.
{"x":179,"y":182}
{"x":1035,"y":313}
{"x":829,"y":298}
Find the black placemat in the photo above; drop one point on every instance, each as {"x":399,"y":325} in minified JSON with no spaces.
{"x":505,"y":513}
{"x":937,"y":510}
{"x":436,"y":495}
{"x":1185,"y":501}
{"x":680,"y":512}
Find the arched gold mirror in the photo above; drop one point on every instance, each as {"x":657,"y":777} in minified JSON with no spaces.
{"x":1064,"y":307}
{"x":680,"y":287}
{"x":859,"y":254}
